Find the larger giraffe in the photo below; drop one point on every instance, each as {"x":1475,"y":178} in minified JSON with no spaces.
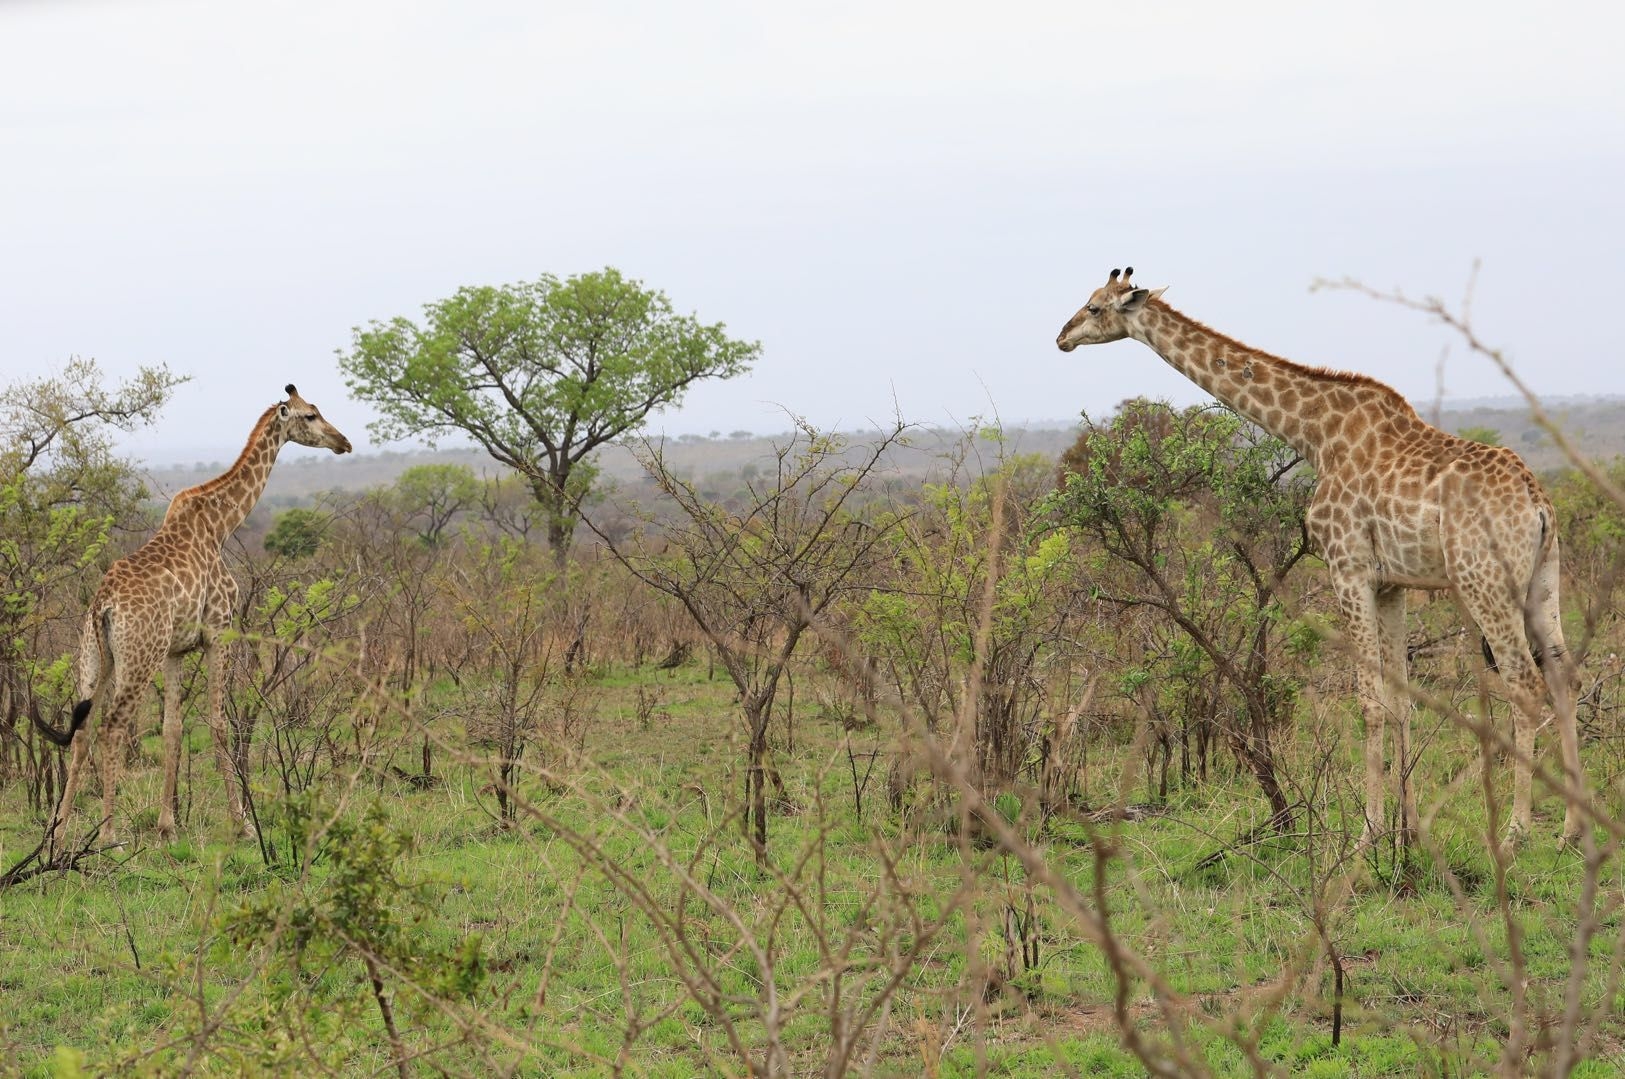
{"x":172,"y":596}
{"x":1398,"y":504}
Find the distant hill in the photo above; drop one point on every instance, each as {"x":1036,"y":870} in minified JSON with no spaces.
{"x":1595,"y":425}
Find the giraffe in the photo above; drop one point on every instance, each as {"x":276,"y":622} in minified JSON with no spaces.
{"x":172,"y":596}
{"x":1398,"y":504}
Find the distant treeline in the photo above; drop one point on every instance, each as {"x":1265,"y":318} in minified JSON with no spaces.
{"x":1597,"y":426}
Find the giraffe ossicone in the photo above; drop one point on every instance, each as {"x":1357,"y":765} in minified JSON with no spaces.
{"x":171,"y":596}
{"x":1398,"y":504}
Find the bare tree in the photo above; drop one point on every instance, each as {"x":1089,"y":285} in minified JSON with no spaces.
{"x":754,"y":579}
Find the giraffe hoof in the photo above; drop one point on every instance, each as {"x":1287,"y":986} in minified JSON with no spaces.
{"x":1368,"y":840}
{"x":1571,"y":832}
{"x":1516,"y":837}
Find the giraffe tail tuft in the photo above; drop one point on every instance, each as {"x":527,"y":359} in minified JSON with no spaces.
{"x":81,"y":712}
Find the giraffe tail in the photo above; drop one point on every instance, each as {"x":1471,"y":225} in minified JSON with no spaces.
{"x":1490,"y":664}
{"x":1542,"y":581}
{"x":1544,"y":624}
{"x":82,"y":710}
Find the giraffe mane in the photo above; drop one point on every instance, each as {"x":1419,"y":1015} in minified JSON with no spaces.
{"x":208,"y":487}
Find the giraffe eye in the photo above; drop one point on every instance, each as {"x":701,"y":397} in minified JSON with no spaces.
{"x":1093,"y":309}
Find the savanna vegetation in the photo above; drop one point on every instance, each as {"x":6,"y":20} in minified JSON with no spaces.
{"x":1032,"y":767}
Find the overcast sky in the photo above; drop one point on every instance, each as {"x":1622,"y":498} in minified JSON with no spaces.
{"x":900,"y":201}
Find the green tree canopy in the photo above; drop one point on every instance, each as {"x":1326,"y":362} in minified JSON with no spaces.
{"x":539,"y":374}
{"x":434,"y":494}
{"x":56,"y":430}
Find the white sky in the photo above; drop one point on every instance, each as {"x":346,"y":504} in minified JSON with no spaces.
{"x":899,"y":200}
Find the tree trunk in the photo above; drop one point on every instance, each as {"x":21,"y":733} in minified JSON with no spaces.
{"x":1256,"y":750}
{"x":578,"y":644}
{"x":1263,"y":766}
{"x":550,"y":491}
{"x":558,"y":537}
{"x":1261,"y":715}
{"x":757,"y":713}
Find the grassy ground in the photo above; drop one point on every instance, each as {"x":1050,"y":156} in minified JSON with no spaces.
{"x":125,"y":966}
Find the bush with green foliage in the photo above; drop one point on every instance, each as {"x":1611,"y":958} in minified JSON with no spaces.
{"x":346,"y":903}
{"x":1198,"y":516}
{"x":297,"y":533}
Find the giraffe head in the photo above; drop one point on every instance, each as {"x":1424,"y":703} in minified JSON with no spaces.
{"x":302,"y":423}
{"x":1108,"y":314}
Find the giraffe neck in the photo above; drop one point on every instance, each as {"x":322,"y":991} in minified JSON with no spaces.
{"x":210,"y":512}
{"x":1305,"y":407}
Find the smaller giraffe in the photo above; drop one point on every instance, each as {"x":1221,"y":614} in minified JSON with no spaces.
{"x":172,"y":596}
{"x":1398,"y":504}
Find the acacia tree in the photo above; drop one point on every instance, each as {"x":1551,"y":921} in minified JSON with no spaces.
{"x":1207,"y":515}
{"x":61,"y":491}
{"x":540,"y":374}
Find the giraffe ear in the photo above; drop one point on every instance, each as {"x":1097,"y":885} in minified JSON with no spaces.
{"x":282,"y":411}
{"x":1131,"y":301}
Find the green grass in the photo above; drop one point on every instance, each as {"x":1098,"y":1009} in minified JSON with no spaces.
{"x":125,"y":962}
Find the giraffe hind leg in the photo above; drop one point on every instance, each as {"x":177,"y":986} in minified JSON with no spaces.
{"x":172,"y":746}
{"x":1396,"y":703}
{"x":114,"y":741}
{"x":1358,"y":603}
{"x":57,"y":834}
{"x":96,"y":676}
{"x":1504,"y":635}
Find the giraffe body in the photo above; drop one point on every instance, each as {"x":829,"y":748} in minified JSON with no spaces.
{"x":1398,"y":504}
{"x":172,"y":596}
